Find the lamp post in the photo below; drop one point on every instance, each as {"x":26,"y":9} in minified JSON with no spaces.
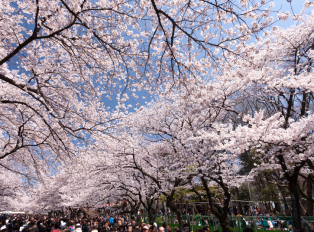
{"x":186,"y":209}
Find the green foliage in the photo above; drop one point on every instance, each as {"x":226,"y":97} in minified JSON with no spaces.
{"x":158,"y":220}
{"x":182,"y":192}
{"x":247,"y":161}
{"x":244,"y":193}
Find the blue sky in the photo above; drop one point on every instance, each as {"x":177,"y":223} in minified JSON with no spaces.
{"x":284,"y":5}
{"x":280,"y":5}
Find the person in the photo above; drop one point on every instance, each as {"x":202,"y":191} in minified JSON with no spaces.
{"x":41,"y":227}
{"x":9,"y":226}
{"x":66,"y":228}
{"x":206,"y":229}
{"x":121,"y":229}
{"x":130,"y":228}
{"x":72,"y":227}
{"x":115,"y":225}
{"x":133,"y":224}
{"x":299,"y":230}
{"x":106,"y":226}
{"x":16,"y":227}
{"x":57,"y":226}
{"x":164,"y":225}
{"x":32,"y":227}
{"x":161,"y":229}
{"x":63,"y":223}
{"x":145,"y":229}
{"x":186,"y":227}
{"x":85,"y":228}
{"x":111,"y":220}
{"x":235,"y":210}
{"x":22,"y":226}
{"x":3,"y":227}
{"x":78,"y":228}
{"x":247,"y":229}
{"x":152,"y":228}
{"x":94,"y":229}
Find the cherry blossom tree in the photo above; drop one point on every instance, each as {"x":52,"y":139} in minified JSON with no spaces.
{"x":59,"y":57}
{"x":166,"y":136}
{"x":11,"y":190}
{"x":277,"y":76}
{"x":133,"y":186}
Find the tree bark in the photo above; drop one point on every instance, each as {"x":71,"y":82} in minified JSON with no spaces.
{"x":224,"y":223}
{"x":309,"y":203}
{"x":220,"y":212}
{"x":284,"y":201}
{"x":276,"y":201}
{"x":151,"y":218}
{"x":180,"y":219}
{"x":170,"y":204}
{"x":278,"y":206}
{"x":302,"y":209}
{"x":267,"y":206}
{"x":295,"y":203}
{"x":240,"y":209}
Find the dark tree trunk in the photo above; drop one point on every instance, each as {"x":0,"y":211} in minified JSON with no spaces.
{"x":179,"y":216}
{"x":302,"y":209}
{"x":224,"y":223}
{"x":276,"y":201}
{"x":176,"y":210}
{"x":180,"y":219}
{"x":151,"y":217}
{"x":84,"y":213}
{"x":135,"y":209}
{"x":206,"y":210}
{"x":267,"y":206}
{"x":295,"y":203}
{"x":240,"y":208}
{"x":164,"y":209}
{"x":220,"y":212}
{"x":309,"y":203}
{"x":294,"y":192}
{"x":278,"y":206}
{"x":284,"y":201}
{"x":239,"y":204}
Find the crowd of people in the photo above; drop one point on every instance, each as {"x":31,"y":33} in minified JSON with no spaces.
{"x":120,"y":223}
{"x":42,"y":223}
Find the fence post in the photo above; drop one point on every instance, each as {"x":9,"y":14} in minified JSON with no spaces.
{"x":262,"y":224}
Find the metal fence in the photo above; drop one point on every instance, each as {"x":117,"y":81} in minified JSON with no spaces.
{"x":237,"y":224}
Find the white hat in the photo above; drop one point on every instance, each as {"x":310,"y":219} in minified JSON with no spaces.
{"x":3,"y":227}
